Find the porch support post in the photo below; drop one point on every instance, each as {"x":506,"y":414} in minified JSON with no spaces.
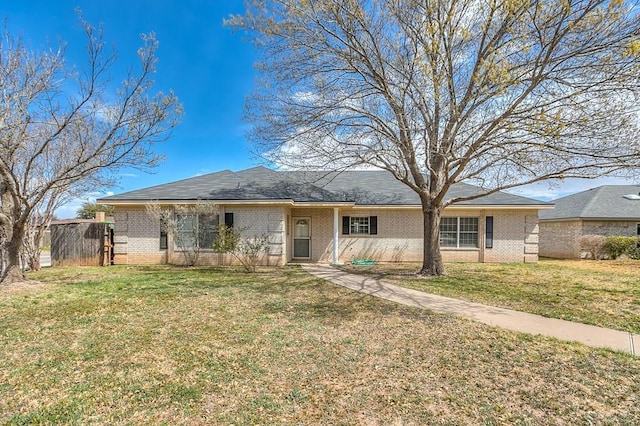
{"x":335,"y":236}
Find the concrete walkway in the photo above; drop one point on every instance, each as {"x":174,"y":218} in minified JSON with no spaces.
{"x":589,"y":335}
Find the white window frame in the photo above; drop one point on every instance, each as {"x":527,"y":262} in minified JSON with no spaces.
{"x":190,"y":232}
{"x":458,"y":232}
{"x":355,"y":226}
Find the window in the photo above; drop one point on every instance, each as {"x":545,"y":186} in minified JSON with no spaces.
{"x":164,"y":241}
{"x":488,"y":240}
{"x":196,"y":230}
{"x":228,"y":220}
{"x":459,"y":232}
{"x":359,"y":225}
{"x":638,"y":230}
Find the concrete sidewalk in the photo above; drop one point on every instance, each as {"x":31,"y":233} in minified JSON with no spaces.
{"x":589,"y":335}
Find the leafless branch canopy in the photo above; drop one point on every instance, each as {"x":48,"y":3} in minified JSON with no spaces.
{"x":497,"y":92}
{"x":64,"y":130}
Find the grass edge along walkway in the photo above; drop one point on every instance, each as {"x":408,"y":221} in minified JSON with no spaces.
{"x":590,"y":335}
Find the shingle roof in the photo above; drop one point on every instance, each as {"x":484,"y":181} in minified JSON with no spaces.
{"x":364,"y":187}
{"x":603,"y":202}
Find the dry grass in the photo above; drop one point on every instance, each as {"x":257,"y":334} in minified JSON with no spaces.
{"x":153,"y":345}
{"x":603,"y":293}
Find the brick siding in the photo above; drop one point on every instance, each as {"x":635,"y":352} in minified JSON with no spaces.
{"x":137,"y":236}
{"x":561,"y":239}
{"x":399,"y":238}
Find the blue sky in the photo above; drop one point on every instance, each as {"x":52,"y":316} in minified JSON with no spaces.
{"x":208,"y":67}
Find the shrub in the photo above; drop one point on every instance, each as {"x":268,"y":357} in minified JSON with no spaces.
{"x":594,"y":244}
{"x":247,"y":250}
{"x":617,"y":245}
{"x":634,"y":253}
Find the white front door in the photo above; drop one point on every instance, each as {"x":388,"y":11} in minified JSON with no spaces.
{"x":301,"y":238}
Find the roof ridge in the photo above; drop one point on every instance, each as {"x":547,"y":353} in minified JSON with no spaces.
{"x":590,"y":200}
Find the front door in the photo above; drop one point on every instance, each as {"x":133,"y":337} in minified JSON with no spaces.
{"x":301,"y":237}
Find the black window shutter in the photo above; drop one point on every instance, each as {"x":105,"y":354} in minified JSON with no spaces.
{"x":163,"y":240}
{"x":228,"y":220}
{"x":345,"y":225}
{"x":488,"y":241}
{"x":373,"y":225}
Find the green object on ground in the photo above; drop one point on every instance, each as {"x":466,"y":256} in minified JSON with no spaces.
{"x":363,"y":262}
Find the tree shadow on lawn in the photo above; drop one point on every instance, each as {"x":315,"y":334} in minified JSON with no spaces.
{"x":319,"y":299}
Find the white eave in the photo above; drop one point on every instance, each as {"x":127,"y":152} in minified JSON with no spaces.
{"x":180,"y":202}
{"x":285,"y":202}
{"x":461,"y":207}
{"x":344,"y":204}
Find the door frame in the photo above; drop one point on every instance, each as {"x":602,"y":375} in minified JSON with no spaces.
{"x":293,"y":237}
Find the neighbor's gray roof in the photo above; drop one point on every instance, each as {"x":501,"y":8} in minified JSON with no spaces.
{"x":364,"y":187}
{"x":603,"y":202}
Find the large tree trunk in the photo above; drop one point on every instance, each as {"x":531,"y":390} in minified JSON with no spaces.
{"x":432,"y":264}
{"x":13,"y":272}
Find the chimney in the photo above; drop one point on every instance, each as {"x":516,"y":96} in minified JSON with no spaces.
{"x":101,"y":217}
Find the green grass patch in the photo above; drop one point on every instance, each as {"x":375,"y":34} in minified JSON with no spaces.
{"x":603,"y":293}
{"x":168,"y":345}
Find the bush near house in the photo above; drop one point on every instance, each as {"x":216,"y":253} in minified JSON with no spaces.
{"x":248,"y":250}
{"x":615,"y":246}
{"x":594,"y":244}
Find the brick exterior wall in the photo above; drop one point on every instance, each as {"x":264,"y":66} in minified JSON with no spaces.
{"x":399,"y":238}
{"x":515,"y":236}
{"x":137,"y":236}
{"x":561,"y":239}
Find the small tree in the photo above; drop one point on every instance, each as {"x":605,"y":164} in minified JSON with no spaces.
{"x":89,"y":210}
{"x":191,"y":227}
{"x":246,"y":249}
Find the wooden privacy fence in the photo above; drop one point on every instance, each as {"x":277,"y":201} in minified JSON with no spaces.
{"x":82,"y":243}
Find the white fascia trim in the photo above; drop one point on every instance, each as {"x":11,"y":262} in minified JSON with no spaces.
{"x":176,"y":202}
{"x":344,"y":204}
{"x":462,"y":207}
{"x":338,"y":204}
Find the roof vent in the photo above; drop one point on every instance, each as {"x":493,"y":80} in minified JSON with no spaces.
{"x":632,"y":196}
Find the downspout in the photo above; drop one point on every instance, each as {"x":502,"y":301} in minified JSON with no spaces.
{"x":335,"y":236}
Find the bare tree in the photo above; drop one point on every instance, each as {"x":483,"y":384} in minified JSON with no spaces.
{"x":63,"y":129}
{"x":37,"y":225}
{"x":499,"y":93}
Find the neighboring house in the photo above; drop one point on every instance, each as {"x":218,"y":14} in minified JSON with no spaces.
{"x":328,"y":217}
{"x":605,"y":210}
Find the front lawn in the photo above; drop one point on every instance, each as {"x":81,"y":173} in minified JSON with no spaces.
{"x":167,"y":345}
{"x":603,"y":293}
